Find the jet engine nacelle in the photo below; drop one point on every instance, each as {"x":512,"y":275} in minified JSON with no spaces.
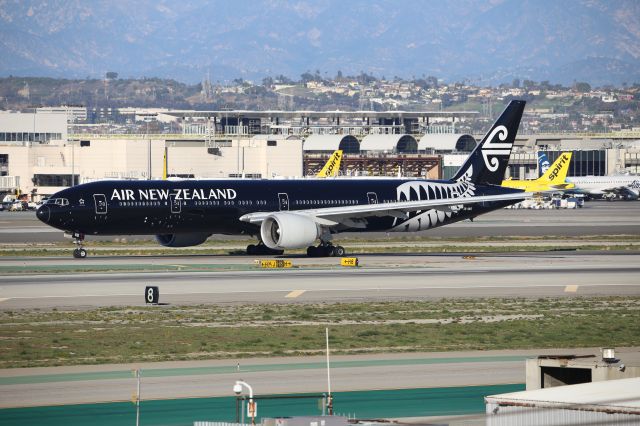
{"x":181,"y":240}
{"x":288,"y":231}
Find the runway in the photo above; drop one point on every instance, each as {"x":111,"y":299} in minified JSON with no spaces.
{"x":382,"y":277}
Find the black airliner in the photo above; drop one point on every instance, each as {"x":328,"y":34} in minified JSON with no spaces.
{"x":288,"y":214}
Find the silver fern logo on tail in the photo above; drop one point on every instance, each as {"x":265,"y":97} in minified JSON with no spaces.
{"x":492,"y":150}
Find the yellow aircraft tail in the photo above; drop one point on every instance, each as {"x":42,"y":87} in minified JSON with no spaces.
{"x":553,"y":179}
{"x":556,"y":174}
{"x":164,"y":165}
{"x":332,"y":167}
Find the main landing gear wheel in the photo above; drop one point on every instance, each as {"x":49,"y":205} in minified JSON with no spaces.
{"x":253,"y":249}
{"x":327,"y":250}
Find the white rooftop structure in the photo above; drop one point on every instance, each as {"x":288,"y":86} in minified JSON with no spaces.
{"x":390,"y":143}
{"x":38,"y":127}
{"x":446,"y":142}
{"x":274,"y":137}
{"x":329,"y":143}
{"x":608,"y":402}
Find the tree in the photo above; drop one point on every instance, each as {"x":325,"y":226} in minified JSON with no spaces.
{"x":433,"y":81}
{"x":283,"y":79}
{"x":583,"y":87}
{"x":306,"y":77}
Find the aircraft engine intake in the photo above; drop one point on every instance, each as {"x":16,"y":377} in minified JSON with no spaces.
{"x":182,"y":240}
{"x":283,"y":230}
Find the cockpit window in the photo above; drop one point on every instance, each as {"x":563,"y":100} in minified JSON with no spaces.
{"x":58,"y":201}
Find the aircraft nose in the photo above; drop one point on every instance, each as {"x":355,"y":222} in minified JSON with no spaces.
{"x":43,"y":213}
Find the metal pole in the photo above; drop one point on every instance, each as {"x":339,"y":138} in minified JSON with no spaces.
{"x":242,"y":411}
{"x":149,"y":151}
{"x":73,"y":164}
{"x":329,"y":398}
{"x":251,"y":403}
{"x":138,"y":399}
{"x":324,"y":405}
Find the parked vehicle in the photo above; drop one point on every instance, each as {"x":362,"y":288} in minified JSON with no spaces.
{"x":16,"y":206}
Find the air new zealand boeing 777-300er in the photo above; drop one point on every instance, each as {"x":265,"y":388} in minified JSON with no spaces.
{"x":289,"y":214}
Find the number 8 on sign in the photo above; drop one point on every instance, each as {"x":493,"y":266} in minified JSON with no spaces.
{"x":151,"y":294}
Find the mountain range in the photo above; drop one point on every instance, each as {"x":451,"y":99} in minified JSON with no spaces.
{"x":484,"y":41}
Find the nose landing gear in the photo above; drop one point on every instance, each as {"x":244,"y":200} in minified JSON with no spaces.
{"x":260,"y":248}
{"x":325,"y":250}
{"x":79,"y":252}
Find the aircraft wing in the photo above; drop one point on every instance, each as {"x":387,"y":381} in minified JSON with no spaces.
{"x":614,"y":190}
{"x":622,"y":190}
{"x":331,"y":216}
{"x":565,"y":185}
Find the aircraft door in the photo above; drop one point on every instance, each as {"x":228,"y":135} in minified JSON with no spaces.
{"x":372,"y":197}
{"x":176,"y":205}
{"x":283,"y":201}
{"x":100,"y":201}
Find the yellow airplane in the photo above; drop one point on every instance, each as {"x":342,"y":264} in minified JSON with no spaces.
{"x":553,"y":178}
{"x":332,"y":168}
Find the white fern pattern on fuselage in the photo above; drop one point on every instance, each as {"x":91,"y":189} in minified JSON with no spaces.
{"x":417,"y":190}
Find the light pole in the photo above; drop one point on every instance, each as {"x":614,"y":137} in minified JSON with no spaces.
{"x":73,"y":162}
{"x":237,"y":389}
{"x":136,"y":397}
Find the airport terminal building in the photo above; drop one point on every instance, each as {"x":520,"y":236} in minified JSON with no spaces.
{"x":43,"y":152}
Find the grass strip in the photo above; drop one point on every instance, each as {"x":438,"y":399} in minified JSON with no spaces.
{"x":30,"y":338}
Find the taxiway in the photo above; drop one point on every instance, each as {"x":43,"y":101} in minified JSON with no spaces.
{"x":382,"y":277}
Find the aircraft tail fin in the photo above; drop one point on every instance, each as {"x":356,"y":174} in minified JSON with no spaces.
{"x":543,"y":163}
{"x":556,"y":174}
{"x":488,"y":161}
{"x":332,"y":167}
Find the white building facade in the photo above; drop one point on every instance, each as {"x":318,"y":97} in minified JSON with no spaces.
{"x":43,"y":169}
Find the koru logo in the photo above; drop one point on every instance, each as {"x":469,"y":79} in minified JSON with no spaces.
{"x":492,"y":150}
